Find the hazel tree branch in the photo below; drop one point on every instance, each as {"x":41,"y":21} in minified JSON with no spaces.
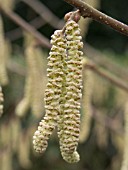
{"x":88,"y":11}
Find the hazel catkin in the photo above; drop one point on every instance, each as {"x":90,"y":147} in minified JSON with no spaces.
{"x":70,"y":124}
{"x":52,"y":92}
{"x":1,"y":101}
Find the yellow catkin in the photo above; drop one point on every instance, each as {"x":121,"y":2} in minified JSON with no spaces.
{"x":86,"y":104}
{"x":15,"y":127}
{"x":24,"y":104}
{"x":101,"y":130}
{"x":38,"y":97}
{"x":70,"y":124}
{"x":38,"y":83}
{"x":1,"y":101}
{"x":5,"y":146}
{"x":34,"y":87}
{"x":100,"y":90}
{"x":3,"y":58}
{"x":125,"y":156}
{"x":6,"y":160}
{"x":52,"y":92}
{"x":7,"y":4}
{"x":24,"y":150}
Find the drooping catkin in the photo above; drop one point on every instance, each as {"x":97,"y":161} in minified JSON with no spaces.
{"x":86,"y":104}
{"x":24,"y":150}
{"x":101,"y":130}
{"x":37,"y":105}
{"x":70,"y":124}
{"x":124,"y":165}
{"x":52,"y":92}
{"x":24,"y":104}
{"x":15,"y":127}
{"x":7,"y":4}
{"x":5,"y":146}
{"x":1,"y":101}
{"x":34,"y":87}
{"x":6,"y":159}
{"x":3,"y":58}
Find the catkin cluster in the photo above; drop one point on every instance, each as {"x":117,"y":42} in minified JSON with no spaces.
{"x":1,"y":101}
{"x":86,"y":102}
{"x":63,"y":93}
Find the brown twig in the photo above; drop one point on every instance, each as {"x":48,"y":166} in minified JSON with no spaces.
{"x":88,"y":11}
{"x":110,"y":77}
{"x":27,"y":27}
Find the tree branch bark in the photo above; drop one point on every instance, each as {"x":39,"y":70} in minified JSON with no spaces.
{"x":88,"y":11}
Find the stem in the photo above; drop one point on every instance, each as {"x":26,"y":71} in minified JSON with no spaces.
{"x":88,"y":11}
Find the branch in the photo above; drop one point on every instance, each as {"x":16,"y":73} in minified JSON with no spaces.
{"x":88,"y":11}
{"x":27,"y":27}
{"x":105,"y":74}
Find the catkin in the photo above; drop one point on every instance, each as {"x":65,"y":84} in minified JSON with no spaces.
{"x":86,"y":104}
{"x":5,"y":145}
{"x":34,"y":87}
{"x":70,"y":124}
{"x":1,"y":101}
{"x":7,"y":4}
{"x":52,"y":92}
{"x":24,"y":104}
{"x":3,"y":58}
{"x":125,"y":156}
{"x":24,"y":150}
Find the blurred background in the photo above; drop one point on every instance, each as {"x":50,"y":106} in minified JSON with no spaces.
{"x":23,"y":64}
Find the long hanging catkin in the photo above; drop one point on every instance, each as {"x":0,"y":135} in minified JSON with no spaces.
{"x":70,"y":124}
{"x":52,"y":92}
{"x":1,"y":101}
{"x":34,"y":86}
{"x":3,"y":58}
{"x":63,"y":92}
{"x":86,"y":103}
{"x":125,"y":156}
